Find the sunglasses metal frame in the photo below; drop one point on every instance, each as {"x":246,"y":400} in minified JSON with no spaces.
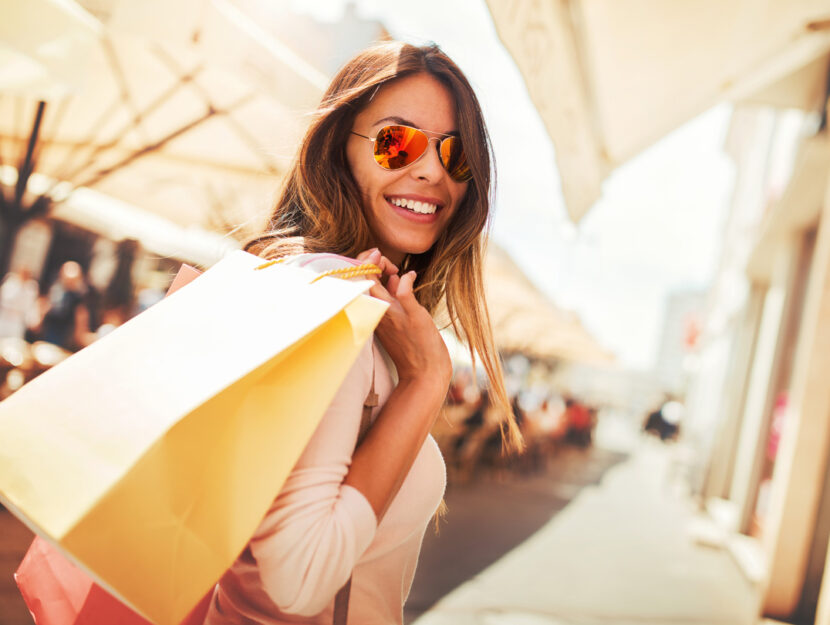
{"x":427,"y":133}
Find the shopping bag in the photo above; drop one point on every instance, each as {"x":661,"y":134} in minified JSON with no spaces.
{"x":150,"y":457}
{"x":186,"y":275}
{"x":59,"y":593}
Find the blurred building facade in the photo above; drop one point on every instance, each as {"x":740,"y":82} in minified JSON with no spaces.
{"x":608,"y":82}
{"x":681,"y":329}
{"x":767,"y":336}
{"x":759,"y":400}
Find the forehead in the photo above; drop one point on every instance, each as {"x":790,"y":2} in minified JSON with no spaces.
{"x":420,"y":99}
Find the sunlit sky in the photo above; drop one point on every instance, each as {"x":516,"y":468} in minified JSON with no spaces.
{"x":657,"y":228}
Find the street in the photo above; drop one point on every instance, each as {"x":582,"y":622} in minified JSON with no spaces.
{"x":495,"y":513}
{"x":620,"y":553}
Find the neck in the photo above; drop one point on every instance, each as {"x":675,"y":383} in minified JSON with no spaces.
{"x":397,"y":258}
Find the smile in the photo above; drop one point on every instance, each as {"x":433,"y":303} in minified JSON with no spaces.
{"x":424,"y":208}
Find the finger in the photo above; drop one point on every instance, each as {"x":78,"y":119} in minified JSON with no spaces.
{"x":404,"y":293}
{"x":392,"y":283}
{"x":389,"y":268}
{"x":364,"y":256}
{"x":406,"y":284}
{"x":374,"y":259}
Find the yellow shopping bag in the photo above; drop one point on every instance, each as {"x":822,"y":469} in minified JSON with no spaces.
{"x":150,"y":457}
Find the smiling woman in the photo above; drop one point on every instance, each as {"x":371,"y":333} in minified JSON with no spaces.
{"x":394,"y":170}
{"x":409,"y":198}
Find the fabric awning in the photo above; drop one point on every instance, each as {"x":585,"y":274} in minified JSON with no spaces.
{"x":526,"y":321}
{"x":193,"y":120}
{"x":610,"y":77}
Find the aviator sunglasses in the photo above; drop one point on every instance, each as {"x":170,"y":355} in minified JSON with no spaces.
{"x":398,"y":146}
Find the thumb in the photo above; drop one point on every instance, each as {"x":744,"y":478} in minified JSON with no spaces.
{"x":374,"y":257}
{"x":369,"y":256}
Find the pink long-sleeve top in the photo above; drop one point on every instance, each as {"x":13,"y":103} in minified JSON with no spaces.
{"x":320,"y":531}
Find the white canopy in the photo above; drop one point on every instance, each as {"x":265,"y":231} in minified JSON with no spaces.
{"x":188,"y":110}
{"x":524,"y":320}
{"x":609,"y":77}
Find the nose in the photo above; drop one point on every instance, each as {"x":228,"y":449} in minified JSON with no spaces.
{"x":429,"y":167}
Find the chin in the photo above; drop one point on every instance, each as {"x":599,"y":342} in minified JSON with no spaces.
{"x":418,"y":248}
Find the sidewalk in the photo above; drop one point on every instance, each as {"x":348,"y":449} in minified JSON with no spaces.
{"x":619,"y":553}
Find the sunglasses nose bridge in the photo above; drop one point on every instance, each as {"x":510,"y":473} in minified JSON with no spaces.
{"x":439,"y":140}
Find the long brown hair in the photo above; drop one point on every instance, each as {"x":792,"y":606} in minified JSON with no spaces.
{"x":320,"y":206}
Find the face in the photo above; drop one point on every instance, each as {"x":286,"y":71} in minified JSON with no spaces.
{"x":423,"y":102}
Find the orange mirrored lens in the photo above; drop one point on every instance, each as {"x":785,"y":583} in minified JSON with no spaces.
{"x":454,"y":159}
{"x":399,"y":146}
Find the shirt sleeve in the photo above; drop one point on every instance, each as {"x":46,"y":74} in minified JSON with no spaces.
{"x":318,"y":528}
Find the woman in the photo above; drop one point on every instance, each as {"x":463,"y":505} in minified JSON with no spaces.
{"x":394,"y":170}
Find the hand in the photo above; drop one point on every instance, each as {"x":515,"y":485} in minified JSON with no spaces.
{"x":387,"y":267}
{"x":409,"y":335}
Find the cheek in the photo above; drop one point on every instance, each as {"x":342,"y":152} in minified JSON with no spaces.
{"x":369,"y":181}
{"x":354,"y":167}
{"x":459,"y":193}
{"x":358,"y":165}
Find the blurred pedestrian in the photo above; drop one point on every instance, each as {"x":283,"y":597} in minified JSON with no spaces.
{"x":65,"y":318}
{"x":580,"y":423}
{"x":120,"y":292}
{"x":393,"y":171}
{"x":672,"y":412}
{"x":664,"y":422}
{"x":18,"y":303}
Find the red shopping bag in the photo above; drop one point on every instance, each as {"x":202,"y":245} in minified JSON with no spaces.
{"x":59,"y":593}
{"x":186,"y":275}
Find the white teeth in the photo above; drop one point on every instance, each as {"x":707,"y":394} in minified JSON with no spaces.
{"x":424,"y":208}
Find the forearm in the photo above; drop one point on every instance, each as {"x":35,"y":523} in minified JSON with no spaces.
{"x":380,"y":464}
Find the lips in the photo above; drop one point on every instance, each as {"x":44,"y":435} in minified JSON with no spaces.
{"x":421,"y":212}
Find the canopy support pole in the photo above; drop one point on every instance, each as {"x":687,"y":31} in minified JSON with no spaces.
{"x":27,"y":165}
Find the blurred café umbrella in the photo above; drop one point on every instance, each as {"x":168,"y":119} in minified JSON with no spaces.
{"x":526,"y":321}
{"x":610,"y":77}
{"x":187,"y":109}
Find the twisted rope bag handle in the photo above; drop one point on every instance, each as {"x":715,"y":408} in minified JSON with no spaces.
{"x":366,"y":269}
